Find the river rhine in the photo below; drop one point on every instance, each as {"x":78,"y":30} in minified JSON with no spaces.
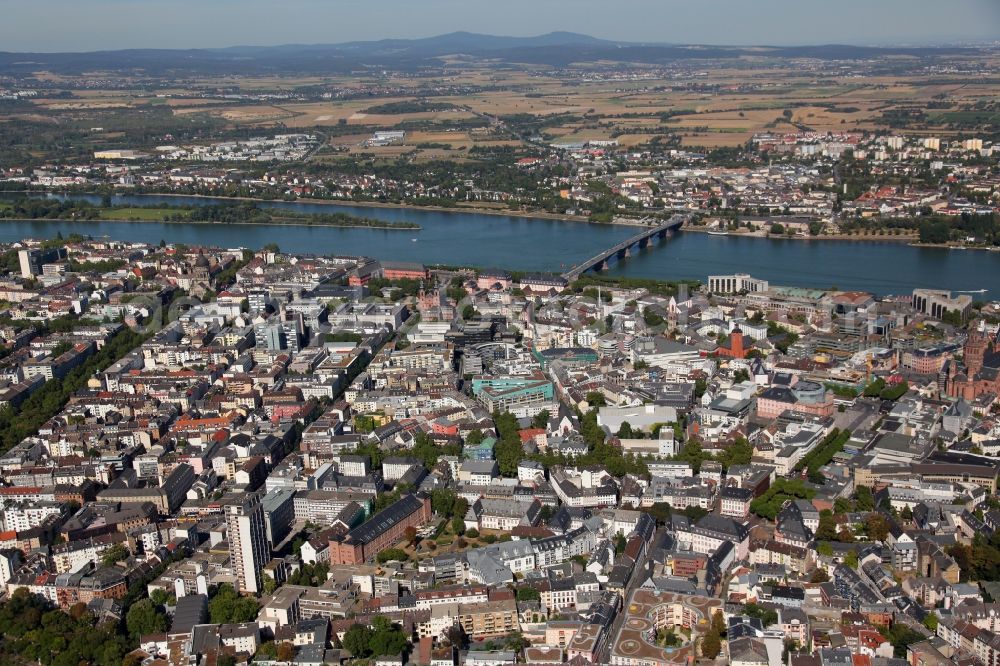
{"x":519,"y":243}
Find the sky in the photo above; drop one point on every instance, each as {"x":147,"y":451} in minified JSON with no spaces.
{"x":88,"y":25}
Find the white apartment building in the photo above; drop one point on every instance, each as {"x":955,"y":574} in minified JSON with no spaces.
{"x":248,"y":547}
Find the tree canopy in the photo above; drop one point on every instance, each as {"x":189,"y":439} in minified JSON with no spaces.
{"x":768,"y":504}
{"x":509,"y":451}
{"x":36,"y":632}
{"x":381,"y":638}
{"x":145,"y":617}
{"x":228,"y":607}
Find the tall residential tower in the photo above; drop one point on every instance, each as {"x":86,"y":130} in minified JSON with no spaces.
{"x":248,"y":547}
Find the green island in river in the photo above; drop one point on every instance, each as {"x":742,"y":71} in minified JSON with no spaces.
{"x":236,"y":213}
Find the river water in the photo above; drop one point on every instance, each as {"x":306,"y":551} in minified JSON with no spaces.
{"x":519,"y":243}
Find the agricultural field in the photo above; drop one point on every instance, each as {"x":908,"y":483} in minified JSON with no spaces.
{"x":707,"y":106}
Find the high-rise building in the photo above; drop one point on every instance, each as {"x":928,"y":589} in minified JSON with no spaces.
{"x":271,"y":337}
{"x":32,"y":260}
{"x":248,"y":547}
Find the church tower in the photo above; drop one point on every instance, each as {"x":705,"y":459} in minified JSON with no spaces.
{"x":736,"y":343}
{"x":975,"y":351}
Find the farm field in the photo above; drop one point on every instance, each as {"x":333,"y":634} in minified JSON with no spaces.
{"x":474,"y":105}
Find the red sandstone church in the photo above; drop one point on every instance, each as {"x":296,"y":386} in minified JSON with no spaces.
{"x":981,"y":373}
{"x":735,"y":346}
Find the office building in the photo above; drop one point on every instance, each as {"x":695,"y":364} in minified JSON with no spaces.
{"x":734,"y":284}
{"x":935,"y":303}
{"x":33,"y":260}
{"x":384,"y":530}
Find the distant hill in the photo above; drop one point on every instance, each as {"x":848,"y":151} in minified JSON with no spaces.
{"x":468,"y":42}
{"x":555,"y":48}
{"x":451,"y":43}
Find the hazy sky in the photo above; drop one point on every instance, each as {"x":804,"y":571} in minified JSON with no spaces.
{"x":74,"y":25}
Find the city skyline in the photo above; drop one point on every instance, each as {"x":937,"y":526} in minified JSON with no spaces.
{"x":63,"y":26}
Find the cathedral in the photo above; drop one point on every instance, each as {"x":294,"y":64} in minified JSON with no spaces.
{"x":981,"y":373}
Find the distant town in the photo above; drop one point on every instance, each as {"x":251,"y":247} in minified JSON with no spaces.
{"x":817,"y":189}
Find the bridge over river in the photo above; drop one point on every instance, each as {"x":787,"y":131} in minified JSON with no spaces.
{"x":623,"y":250}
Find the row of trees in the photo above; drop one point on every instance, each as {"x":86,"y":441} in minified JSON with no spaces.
{"x":711,"y":643}
{"x":48,"y":400}
{"x":229,"y":213}
{"x":243,"y":213}
{"x":823,"y":453}
{"x":932,"y":228}
{"x":658,"y":287}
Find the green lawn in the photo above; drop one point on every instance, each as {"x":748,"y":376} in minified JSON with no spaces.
{"x":144,"y":214}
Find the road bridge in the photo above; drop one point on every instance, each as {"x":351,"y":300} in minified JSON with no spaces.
{"x":623,"y":250}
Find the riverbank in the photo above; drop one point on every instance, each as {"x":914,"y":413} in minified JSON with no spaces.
{"x":911,"y":240}
{"x":867,"y":238}
{"x":953,"y":246}
{"x":908,"y":239}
